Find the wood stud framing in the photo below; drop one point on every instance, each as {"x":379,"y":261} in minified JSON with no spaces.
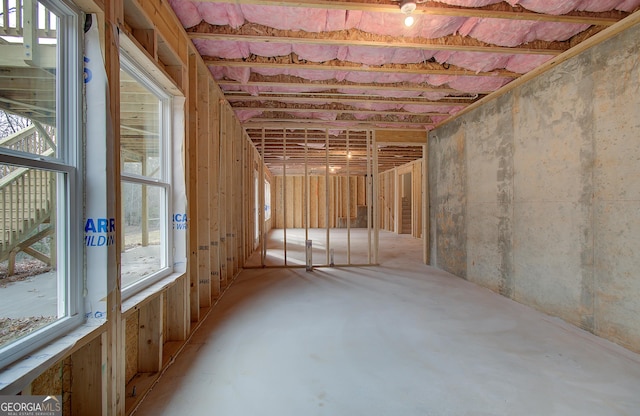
{"x":222,"y":158}
{"x":126,"y":355}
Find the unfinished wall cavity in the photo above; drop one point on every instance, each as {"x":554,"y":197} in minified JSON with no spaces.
{"x":536,"y":195}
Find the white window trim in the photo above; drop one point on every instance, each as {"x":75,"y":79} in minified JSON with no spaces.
{"x":69,"y":162}
{"x":136,"y":70}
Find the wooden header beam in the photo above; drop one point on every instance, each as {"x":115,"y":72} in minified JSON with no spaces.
{"x":401,"y":136}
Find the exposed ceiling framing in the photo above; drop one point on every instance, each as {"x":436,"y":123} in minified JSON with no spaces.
{"x":321,"y":68}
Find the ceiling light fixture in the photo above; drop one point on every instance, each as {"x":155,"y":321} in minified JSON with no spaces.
{"x":407,"y":7}
{"x":408,"y":21}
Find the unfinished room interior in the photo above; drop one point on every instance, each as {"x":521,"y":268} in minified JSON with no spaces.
{"x":320,"y":207}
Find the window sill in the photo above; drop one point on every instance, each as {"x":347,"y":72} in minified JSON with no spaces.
{"x":138,"y":299}
{"x":15,"y":377}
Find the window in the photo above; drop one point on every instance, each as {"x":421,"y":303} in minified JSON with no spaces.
{"x":40,"y":187}
{"x":145,"y":175}
{"x":267,"y":200}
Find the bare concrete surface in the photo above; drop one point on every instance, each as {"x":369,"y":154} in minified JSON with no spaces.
{"x":34,"y":296}
{"x":397,"y":339}
{"x":536,"y":195}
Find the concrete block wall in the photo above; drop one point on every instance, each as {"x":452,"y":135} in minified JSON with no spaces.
{"x":536,"y":195}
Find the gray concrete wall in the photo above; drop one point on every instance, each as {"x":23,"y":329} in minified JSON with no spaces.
{"x":536,"y":195}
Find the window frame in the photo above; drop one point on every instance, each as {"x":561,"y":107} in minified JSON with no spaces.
{"x":267,"y":199}
{"x":67,"y":163}
{"x":137,"y":71}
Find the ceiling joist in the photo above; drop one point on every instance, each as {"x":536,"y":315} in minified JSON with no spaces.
{"x":346,"y":101}
{"x":286,"y":62}
{"x":294,"y":82}
{"x":455,"y":43}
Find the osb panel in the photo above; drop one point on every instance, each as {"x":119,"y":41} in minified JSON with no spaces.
{"x":56,"y":381}
{"x":131,"y":346}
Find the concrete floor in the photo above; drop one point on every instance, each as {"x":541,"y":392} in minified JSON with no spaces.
{"x":398,"y":339}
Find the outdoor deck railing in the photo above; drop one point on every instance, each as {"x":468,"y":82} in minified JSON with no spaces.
{"x":26,"y":196}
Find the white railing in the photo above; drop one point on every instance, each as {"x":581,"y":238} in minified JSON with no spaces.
{"x":14,"y":12}
{"x":26,"y":195}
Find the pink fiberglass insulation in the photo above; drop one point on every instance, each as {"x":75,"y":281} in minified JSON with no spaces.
{"x":319,"y":53}
{"x":336,"y":20}
{"x":393,"y":25}
{"x":461,"y":83}
{"x":479,"y":62}
{"x":501,"y":32}
{"x":381,"y":93}
{"x":469,"y":3}
{"x":236,"y":74}
{"x":287,"y":18}
{"x":244,"y":115}
{"x":439,"y":80}
{"x":478,"y":84}
{"x":186,"y":11}
{"x":225,"y":49}
{"x":438,"y":119}
{"x":598,"y":5}
{"x":221,"y":14}
{"x":376,"y":106}
{"x":292,"y":89}
{"x":270,"y":49}
{"x":363,"y":55}
{"x":551,"y":31}
{"x":318,"y":115}
{"x":362,"y":117}
{"x":434,"y":95}
{"x":558,"y":7}
{"x":423,"y":109}
{"x":381,"y":77}
{"x":308,"y":74}
{"x":366,"y":55}
{"x":628,"y":5}
{"x":525,"y":63}
{"x":438,"y":26}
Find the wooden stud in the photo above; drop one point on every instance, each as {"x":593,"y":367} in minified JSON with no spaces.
{"x":230,"y":241}
{"x":306,"y":198}
{"x":222,"y":193}
{"x":327,"y":194}
{"x":348,"y":191}
{"x":314,"y":201}
{"x":284,"y":193}
{"x":373,"y":189}
{"x":203,"y":200}
{"x":370,"y":154}
{"x":261,"y":208}
{"x":192,"y":189}
{"x":214,"y":177}
{"x":425,"y":204}
{"x":115,"y":388}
